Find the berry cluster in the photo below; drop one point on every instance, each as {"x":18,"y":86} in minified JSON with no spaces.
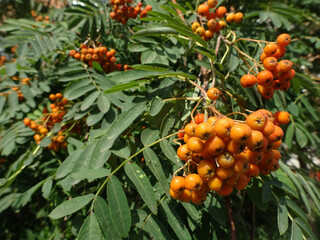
{"x":277,"y":75}
{"x":40,"y":18}
{"x":223,"y":154}
{"x":211,"y":19}
{"x":44,"y":125}
{"x":100,"y":54}
{"x":2,"y":60}
{"x":16,"y":89}
{"x":123,"y":10}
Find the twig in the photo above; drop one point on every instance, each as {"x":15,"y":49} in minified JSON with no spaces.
{"x":195,"y":109}
{"x":204,"y":93}
{"x":233,"y":232}
{"x":182,"y":98}
{"x":178,"y":11}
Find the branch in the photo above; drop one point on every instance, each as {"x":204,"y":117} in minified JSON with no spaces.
{"x":231,"y":219}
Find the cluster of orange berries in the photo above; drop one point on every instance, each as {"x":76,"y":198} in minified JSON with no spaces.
{"x":2,"y":60}
{"x":277,"y":75}
{"x":40,"y":18}
{"x":100,"y":54}
{"x":22,"y":81}
{"x":224,"y":154}
{"x":46,"y":123}
{"x":123,"y":11}
{"x":213,"y":25}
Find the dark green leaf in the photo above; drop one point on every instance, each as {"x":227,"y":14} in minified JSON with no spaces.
{"x":65,"y":168}
{"x":149,"y":136}
{"x":70,"y":206}
{"x":90,"y":229}
{"x":296,"y":233}
{"x":89,"y":100}
{"x":142,"y":184}
{"x":103,"y":103}
{"x":301,"y":138}
{"x":102,"y":212}
{"x":156,"y":168}
{"x":289,"y":135}
{"x":156,"y":106}
{"x":120,"y":212}
{"x":155,"y":228}
{"x":233,"y":60}
{"x":175,"y":221}
{"x":90,"y":173}
{"x":282,"y":217}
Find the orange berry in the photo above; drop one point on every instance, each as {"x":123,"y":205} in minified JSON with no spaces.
{"x":175,"y":195}
{"x":213,"y":93}
{"x":203,"y":9}
{"x":235,"y":147}
{"x":266,"y":92}
{"x":208,"y":34}
{"x":262,"y":56}
{"x":222,"y":24}
{"x":242,"y":182}
{"x":193,"y":182}
{"x":248,"y":80}
{"x":224,"y":173}
{"x":200,"y":31}
{"x":206,"y":169}
{"x":253,"y":170}
{"x":282,"y":117}
{"x":285,"y":65}
{"x":226,"y":190}
{"x":257,"y":120}
{"x":212,"y":120}
{"x":240,"y":132}
{"x":265,"y":78}
{"x":270,"y":63}
{"x":195,"y":145}
{"x":204,"y":131}
{"x":270,"y":49}
{"x":185,"y":196}
{"x":197,"y":198}
{"x":199,"y":118}
{"x":212,"y":3}
{"x":276,"y":135}
{"x":177,"y":184}
{"x":43,"y":130}
{"x":214,"y":146}
{"x":27,"y":121}
{"x":72,"y":53}
{"x":190,"y":129}
{"x":61,"y":139}
{"x":225,"y":160}
{"x":238,"y":17}
{"x":194,"y":26}
{"x":255,"y":140}
{"x":283,"y":40}
{"x":267,"y":157}
{"x":215,"y":183}
{"x":221,"y":12}
{"x":58,"y":96}
{"x":184,"y":153}
{"x":230,"y":17}
{"x":223,"y":126}
{"x":281,"y":51}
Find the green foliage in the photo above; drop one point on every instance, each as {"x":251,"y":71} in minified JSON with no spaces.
{"x":112,"y":179}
